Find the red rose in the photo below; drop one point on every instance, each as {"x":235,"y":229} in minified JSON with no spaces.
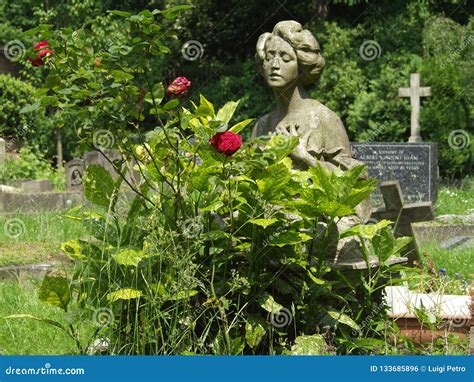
{"x":42,"y":44}
{"x":44,"y":52}
{"x":226,"y":143}
{"x":179,"y":86}
{"x":38,"y":61}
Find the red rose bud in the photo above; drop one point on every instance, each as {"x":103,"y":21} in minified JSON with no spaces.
{"x":226,"y":143}
{"x":38,"y":61}
{"x":41,"y":45}
{"x":179,"y":86}
{"x":45,"y":53}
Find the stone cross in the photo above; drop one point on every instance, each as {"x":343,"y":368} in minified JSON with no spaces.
{"x":414,"y":92}
{"x":403,"y":215}
{"x":3,"y":153}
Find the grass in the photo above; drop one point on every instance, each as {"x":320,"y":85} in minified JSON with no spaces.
{"x":457,"y":200}
{"x":45,"y":227}
{"x":34,"y":238}
{"x":26,"y":336}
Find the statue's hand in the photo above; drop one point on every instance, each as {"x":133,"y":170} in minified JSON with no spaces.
{"x":300,"y":152}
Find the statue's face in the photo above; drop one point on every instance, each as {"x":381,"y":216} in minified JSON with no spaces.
{"x":280,"y":66}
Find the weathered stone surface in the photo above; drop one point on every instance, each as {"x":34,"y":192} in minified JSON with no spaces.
{"x":37,"y":202}
{"x":414,"y":165}
{"x":41,"y":185}
{"x":3,"y":152}
{"x":414,"y":92}
{"x":23,"y":271}
{"x":9,"y":189}
{"x":74,"y":174}
{"x":426,"y":233}
{"x":456,"y":219}
{"x":96,"y":157}
{"x":456,"y":242}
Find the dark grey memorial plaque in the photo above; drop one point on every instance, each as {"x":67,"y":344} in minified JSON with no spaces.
{"x":414,"y":165}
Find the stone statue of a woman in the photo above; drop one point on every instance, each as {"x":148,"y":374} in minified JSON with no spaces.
{"x":289,"y":59}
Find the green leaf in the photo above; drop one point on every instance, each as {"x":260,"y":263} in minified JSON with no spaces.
{"x":173,"y":12}
{"x":124,"y":294}
{"x":120,"y":75}
{"x":30,"y":317}
{"x":254,"y":333}
{"x":274,"y":181}
{"x":227,"y":111}
{"x":314,"y":278}
{"x":263,"y":222}
{"x":73,"y":249}
{"x":237,"y":346}
{"x":309,"y":345}
{"x":158,"y":92}
{"x":30,"y":108}
{"x":55,"y":291}
{"x":204,"y":103}
{"x":267,"y":302}
{"x":344,"y":319}
{"x":367,"y":231}
{"x":98,"y":185}
{"x":237,"y":128}
{"x":171,"y":104}
{"x":129,"y":257}
{"x":120,"y":13}
{"x":289,"y":238}
{"x":183,"y":294}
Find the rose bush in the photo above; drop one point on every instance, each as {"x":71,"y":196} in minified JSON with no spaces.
{"x":213,"y":254}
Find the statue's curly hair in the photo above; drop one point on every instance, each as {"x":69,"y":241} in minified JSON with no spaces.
{"x":310,"y":60}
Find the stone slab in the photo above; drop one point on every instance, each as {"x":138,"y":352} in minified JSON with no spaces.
{"x":41,"y":185}
{"x":414,"y":165}
{"x":22,"y":271}
{"x":38,"y":202}
{"x":456,"y":242}
{"x":3,"y":150}
{"x":426,"y":233}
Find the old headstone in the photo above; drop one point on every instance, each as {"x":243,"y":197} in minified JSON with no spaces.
{"x":414,"y":165}
{"x":74,"y":173}
{"x":3,"y":152}
{"x":415,"y":92}
{"x":97,"y":158}
{"x":403,"y":215}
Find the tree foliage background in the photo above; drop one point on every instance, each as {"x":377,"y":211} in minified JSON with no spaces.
{"x":434,"y":38}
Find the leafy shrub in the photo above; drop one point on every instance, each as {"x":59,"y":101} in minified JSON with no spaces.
{"x":215,"y":254}
{"x":14,"y":94}
{"x":31,"y":165}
